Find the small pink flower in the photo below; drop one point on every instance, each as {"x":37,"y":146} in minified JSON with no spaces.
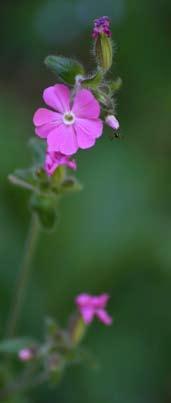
{"x":72,"y":124}
{"x":26,"y":354}
{"x":101,"y":26}
{"x":112,"y":122}
{"x":90,"y":306}
{"x":55,"y":159}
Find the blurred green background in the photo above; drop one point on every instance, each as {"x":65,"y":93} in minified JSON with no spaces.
{"x":115,"y":235}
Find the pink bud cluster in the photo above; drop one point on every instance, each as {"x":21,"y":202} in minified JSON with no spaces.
{"x":101,"y":26}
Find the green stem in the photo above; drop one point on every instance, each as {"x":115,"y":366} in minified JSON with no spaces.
{"x":24,"y":382}
{"x":23,"y":276}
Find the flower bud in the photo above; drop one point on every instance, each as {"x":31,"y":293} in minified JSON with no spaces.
{"x":112,"y":122}
{"x":103,"y":44}
{"x":77,"y":329}
{"x":26,"y":354}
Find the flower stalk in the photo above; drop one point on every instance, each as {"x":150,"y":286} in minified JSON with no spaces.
{"x":23,"y":276}
{"x":76,"y":110}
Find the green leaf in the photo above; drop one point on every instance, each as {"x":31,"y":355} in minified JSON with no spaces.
{"x":39,"y":149}
{"x":44,"y":206}
{"x":30,"y":177}
{"x":51,"y":327}
{"x":15,"y":345}
{"x":93,"y":81}
{"x":66,"y":69}
{"x":26,"y":174}
{"x":23,"y":178}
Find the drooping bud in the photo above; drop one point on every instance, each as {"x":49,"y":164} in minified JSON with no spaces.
{"x":103,"y":44}
{"x":26,"y":354}
{"x":112,"y":122}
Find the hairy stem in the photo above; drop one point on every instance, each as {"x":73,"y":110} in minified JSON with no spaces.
{"x":23,"y":276}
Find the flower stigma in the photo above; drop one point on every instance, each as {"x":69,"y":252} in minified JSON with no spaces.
{"x":69,"y":118}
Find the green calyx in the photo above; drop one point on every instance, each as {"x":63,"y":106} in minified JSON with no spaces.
{"x":46,"y":190}
{"x":104,"y":52}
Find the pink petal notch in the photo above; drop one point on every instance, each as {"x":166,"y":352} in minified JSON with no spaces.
{"x":90,"y":306}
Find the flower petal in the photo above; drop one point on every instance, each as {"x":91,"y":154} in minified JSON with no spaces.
{"x":85,"y":105}
{"x":53,"y":139}
{"x":44,"y":130}
{"x":63,"y":139}
{"x":93,"y":128}
{"x":87,"y":314}
{"x":100,"y":301}
{"x":84,"y":140}
{"x":83,"y":299}
{"x":43,"y":116}
{"x":57,"y":97}
{"x":104,"y":317}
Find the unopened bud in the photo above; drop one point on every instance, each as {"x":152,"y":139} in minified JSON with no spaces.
{"x":77,"y":329}
{"x":112,"y":122}
{"x":26,"y":354}
{"x":103,"y":44}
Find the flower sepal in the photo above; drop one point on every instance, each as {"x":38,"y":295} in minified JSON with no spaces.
{"x":71,"y":184}
{"x":58,"y":178}
{"x":94,"y":80}
{"x":104,"y":52}
{"x":77,"y":329}
{"x":115,"y":85}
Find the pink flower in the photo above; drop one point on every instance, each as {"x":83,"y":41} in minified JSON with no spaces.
{"x":112,"y":122}
{"x":90,"y":306}
{"x":101,"y":26}
{"x":72,"y":124}
{"x":26,"y":354}
{"x":55,"y":159}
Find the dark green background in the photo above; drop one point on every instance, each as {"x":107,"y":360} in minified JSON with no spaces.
{"x":114,"y":236}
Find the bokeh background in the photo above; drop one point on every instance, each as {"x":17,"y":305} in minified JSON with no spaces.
{"x":115,"y":235}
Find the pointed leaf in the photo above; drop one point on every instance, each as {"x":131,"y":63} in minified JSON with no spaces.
{"x":23,"y":178}
{"x":15,"y":345}
{"x":66,"y":69}
{"x":38,"y":149}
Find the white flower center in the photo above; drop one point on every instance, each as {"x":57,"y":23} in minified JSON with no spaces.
{"x":69,"y":118}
